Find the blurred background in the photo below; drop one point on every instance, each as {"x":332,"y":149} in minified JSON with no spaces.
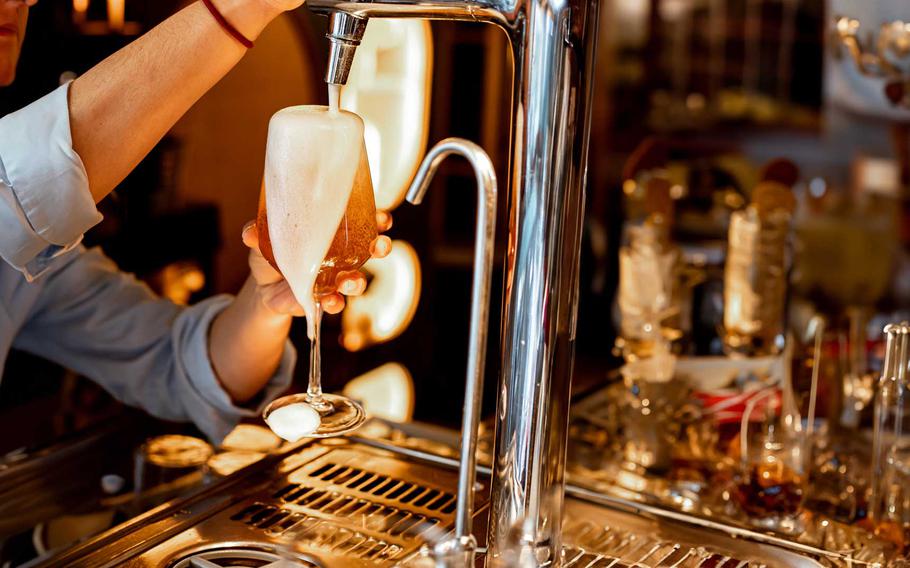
{"x":712,"y":80}
{"x":700,"y":96}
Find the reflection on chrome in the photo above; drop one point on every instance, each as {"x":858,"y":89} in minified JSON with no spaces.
{"x":552,"y":50}
{"x":459,"y":550}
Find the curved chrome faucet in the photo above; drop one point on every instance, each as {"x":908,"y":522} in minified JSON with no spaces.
{"x":552,"y":47}
{"x":462,"y":546}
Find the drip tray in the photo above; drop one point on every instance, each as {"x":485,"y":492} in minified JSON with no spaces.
{"x":355,"y":505}
{"x":342,"y":504}
{"x":598,"y":537}
{"x":350,"y":506}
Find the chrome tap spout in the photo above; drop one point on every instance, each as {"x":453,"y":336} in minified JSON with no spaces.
{"x":345,"y":34}
{"x":348,"y":21}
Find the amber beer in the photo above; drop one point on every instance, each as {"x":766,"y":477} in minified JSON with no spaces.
{"x":353,"y":241}
{"x":319,"y":195}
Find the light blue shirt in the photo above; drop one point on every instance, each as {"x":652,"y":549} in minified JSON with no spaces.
{"x":73,"y":306}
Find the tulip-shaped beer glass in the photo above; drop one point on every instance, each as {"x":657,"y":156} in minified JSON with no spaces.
{"x":316,"y":223}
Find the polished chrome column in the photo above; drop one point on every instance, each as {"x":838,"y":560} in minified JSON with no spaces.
{"x":554,"y":64}
{"x":553,"y":45}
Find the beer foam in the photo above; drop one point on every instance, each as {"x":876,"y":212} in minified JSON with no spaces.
{"x":312,"y":155}
{"x":334,"y":96}
{"x":294,"y":421}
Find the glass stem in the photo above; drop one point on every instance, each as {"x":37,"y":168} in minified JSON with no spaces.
{"x":314,"y":389}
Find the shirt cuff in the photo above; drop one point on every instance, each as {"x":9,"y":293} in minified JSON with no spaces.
{"x":47,"y":182}
{"x":207,"y":404}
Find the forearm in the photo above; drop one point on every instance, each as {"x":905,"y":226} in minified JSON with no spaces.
{"x":246,"y":343}
{"x":123,"y":106}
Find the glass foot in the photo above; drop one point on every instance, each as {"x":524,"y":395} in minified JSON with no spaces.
{"x":301,"y":418}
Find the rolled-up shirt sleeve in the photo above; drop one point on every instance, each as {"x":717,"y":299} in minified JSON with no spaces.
{"x":45,"y":201}
{"x":145,"y":350}
{"x":217,"y":413}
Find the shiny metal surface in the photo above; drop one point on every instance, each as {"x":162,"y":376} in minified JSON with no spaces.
{"x":552,"y":49}
{"x":463,"y":544}
{"x":244,"y":555}
{"x":345,"y":33}
{"x":333,"y":502}
{"x":340,"y":503}
{"x":824,"y":540}
{"x":41,"y":486}
{"x":598,"y":537}
{"x":541,"y":300}
{"x":700,"y":528}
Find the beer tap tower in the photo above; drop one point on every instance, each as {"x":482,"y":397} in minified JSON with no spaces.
{"x":553,"y":47}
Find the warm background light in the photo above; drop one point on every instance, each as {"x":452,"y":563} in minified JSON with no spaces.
{"x":178,"y":281}
{"x":114,"y":24}
{"x":384,"y":311}
{"x":116,"y":14}
{"x":389,"y":86}
{"x":386,"y":392}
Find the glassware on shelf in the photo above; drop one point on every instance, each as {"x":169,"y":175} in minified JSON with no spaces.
{"x":847,"y":260}
{"x":755,"y":276}
{"x":881,"y":61}
{"x":770,"y":483}
{"x":889,"y":507}
{"x":836,"y":480}
{"x":307,"y":186}
{"x":167,"y":466}
{"x":648,"y":274}
{"x":653,"y":412}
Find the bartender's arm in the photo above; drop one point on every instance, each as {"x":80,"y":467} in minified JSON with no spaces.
{"x":212,"y":363}
{"x":123,"y":106}
{"x":148,"y":352}
{"x":67,"y":150}
{"x":247,"y":339}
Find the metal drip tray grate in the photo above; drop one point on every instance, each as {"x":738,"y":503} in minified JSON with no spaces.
{"x":599,"y":538}
{"x":319,"y":534}
{"x":345,"y":505}
{"x":278,"y":520}
{"x":576,"y":558}
{"x":372,"y":510}
{"x":380,"y":518}
{"x":595,"y":546}
{"x":373,"y":484}
{"x":658,"y":555}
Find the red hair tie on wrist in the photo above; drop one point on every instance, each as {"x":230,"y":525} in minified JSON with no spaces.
{"x":222,"y":21}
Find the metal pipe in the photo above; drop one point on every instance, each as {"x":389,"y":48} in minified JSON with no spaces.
{"x":553,"y":45}
{"x":464,"y":544}
{"x":553,"y":67}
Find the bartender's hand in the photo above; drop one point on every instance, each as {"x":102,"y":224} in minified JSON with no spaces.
{"x":247,"y":339}
{"x":274,"y":290}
